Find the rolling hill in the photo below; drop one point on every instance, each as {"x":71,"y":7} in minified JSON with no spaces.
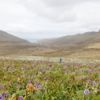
{"x":14,"y":46}
{"x":10,"y":44}
{"x":81,"y":46}
{"x":4,"y":36}
{"x":73,"y":40}
{"x":86,"y":45}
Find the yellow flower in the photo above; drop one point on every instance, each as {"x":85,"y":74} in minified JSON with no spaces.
{"x":95,"y":90}
{"x":18,"y":79}
{"x":25,"y":98}
{"x":13,"y":97}
{"x":30,"y":88}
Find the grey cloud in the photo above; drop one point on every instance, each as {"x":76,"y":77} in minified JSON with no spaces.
{"x":55,"y":10}
{"x":62,"y":16}
{"x":55,"y":14}
{"x":63,"y":3}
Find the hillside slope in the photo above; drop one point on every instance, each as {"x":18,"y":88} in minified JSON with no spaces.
{"x":85,"y":45}
{"x":8,"y":38}
{"x":13,"y":46}
{"x":10,"y":44}
{"x":74,"y":40}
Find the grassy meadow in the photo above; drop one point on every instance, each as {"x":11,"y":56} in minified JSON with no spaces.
{"x":39,"y":80}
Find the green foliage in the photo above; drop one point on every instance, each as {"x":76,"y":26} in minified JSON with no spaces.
{"x":49,"y":81}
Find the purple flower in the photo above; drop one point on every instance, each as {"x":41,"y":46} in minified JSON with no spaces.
{"x":86,"y":92}
{"x":20,"y":98}
{"x":1,"y":87}
{"x":38,"y":85}
{"x":5,"y":94}
{"x":1,"y":97}
{"x":94,"y":83}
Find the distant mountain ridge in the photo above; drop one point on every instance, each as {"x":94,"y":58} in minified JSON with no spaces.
{"x":86,"y":45}
{"x":73,"y":40}
{"x":13,"y":46}
{"x":4,"y":36}
{"x":10,"y":44}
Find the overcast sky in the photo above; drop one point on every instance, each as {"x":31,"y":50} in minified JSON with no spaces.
{"x":49,"y":18}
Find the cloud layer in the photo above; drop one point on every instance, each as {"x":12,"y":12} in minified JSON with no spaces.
{"x":49,"y":18}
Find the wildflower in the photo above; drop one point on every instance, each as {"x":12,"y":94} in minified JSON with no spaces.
{"x":38,"y":85}
{"x":13,"y":97}
{"x":1,"y":97}
{"x":86,"y":92}
{"x":19,"y":79}
{"x":20,"y":98}
{"x":94,"y":83}
{"x":1,"y":87}
{"x":30,"y":87}
{"x":95,"y":90}
{"x":5,"y":94}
